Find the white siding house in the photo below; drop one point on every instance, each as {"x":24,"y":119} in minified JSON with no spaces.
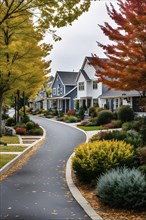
{"x":88,"y":90}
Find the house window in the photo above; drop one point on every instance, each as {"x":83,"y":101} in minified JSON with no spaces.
{"x":81,"y":86}
{"x":117,"y":103}
{"x":54,"y":91}
{"x":95,"y":85}
{"x":58,"y":89}
{"x":61,"y":91}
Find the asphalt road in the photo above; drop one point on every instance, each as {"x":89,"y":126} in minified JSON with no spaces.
{"x":38,"y":191}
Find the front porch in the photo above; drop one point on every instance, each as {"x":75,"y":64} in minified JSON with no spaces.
{"x":87,"y":102}
{"x":60,"y":103}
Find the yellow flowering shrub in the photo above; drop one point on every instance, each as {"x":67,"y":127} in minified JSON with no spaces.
{"x":93,"y":159}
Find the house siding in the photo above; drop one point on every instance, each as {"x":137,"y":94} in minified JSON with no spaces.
{"x":68,"y":88}
{"x":72,"y":96}
{"x":55,"y":85}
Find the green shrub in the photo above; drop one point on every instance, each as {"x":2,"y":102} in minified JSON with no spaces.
{"x":5,"y":116}
{"x":125,"y":113}
{"x":123,"y":188}
{"x":109,"y":135}
{"x":92,"y":112}
{"x":142,"y":155}
{"x":60,"y":114}
{"x":117,"y":123}
{"x":92,"y":159}
{"x":104,"y":117}
{"x":103,"y":135}
{"x":142,"y":168}
{"x":20,"y":125}
{"x":81,"y":113}
{"x":30,"y":125}
{"x":119,"y":135}
{"x":130,"y":137}
{"x":143,"y":133}
{"x":10,"y":122}
{"x":72,"y":119}
{"x":25,"y":119}
{"x":36,"y":131}
{"x":134,"y":139}
{"x":126,"y":126}
{"x":136,"y":125}
{"x":92,"y":122}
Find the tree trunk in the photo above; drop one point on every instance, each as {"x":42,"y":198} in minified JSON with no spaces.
{"x":1,"y":102}
{"x":18,"y":105}
{"x":24,"y":110}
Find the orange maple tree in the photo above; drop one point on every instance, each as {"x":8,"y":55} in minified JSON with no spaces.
{"x":125,"y":67}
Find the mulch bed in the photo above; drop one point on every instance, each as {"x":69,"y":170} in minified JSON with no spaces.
{"x":104,"y":211}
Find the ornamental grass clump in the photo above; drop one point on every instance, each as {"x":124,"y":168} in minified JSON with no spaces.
{"x":93,"y":159}
{"x":123,"y":188}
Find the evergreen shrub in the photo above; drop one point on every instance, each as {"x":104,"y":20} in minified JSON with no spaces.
{"x":35,"y":131}
{"x":92,"y":112}
{"x":125,"y":113}
{"x":104,"y":117}
{"x":123,"y":188}
{"x":25,"y":119}
{"x":72,"y":119}
{"x":10,"y":122}
{"x":30,"y":125}
{"x":93,"y":159}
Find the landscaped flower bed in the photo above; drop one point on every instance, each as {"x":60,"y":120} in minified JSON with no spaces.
{"x":101,"y":159}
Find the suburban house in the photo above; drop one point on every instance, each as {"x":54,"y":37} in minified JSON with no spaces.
{"x":64,"y":91}
{"x":82,"y":87}
{"x":88,"y":90}
{"x":41,"y":100}
{"x":113,"y":99}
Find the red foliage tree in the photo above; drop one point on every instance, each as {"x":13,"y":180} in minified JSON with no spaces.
{"x":125,"y":68}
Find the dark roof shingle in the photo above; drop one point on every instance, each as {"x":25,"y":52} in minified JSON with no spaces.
{"x":68,"y":78}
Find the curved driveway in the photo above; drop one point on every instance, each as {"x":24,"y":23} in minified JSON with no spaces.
{"x":38,"y":191}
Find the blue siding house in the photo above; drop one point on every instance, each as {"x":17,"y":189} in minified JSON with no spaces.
{"x":64,"y":91}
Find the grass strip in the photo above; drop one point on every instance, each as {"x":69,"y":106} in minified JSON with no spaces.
{"x":5,"y":158}
{"x":12,"y":148}
{"x":9,"y":139}
{"x":91,"y":128}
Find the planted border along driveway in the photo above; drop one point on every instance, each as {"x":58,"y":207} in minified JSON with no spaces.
{"x":38,"y":190}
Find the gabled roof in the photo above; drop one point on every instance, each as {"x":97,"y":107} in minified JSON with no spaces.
{"x":68,"y":78}
{"x":84,"y":75}
{"x":88,"y":59}
{"x":115,"y":93}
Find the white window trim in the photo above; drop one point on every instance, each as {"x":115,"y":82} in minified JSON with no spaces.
{"x":54,"y":91}
{"x":81,"y":86}
{"x":95,"y":85}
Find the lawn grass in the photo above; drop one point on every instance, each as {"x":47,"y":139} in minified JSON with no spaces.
{"x":90,"y":128}
{"x":9,"y":139}
{"x":5,"y":158}
{"x":12,"y":148}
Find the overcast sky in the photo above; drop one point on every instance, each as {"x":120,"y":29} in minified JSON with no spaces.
{"x":79,"y":40}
